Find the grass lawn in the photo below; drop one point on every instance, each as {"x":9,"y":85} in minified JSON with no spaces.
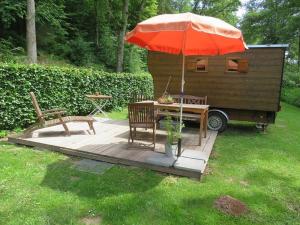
{"x":261,"y":170}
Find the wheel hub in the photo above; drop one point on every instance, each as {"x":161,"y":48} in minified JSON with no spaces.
{"x":214,"y":122}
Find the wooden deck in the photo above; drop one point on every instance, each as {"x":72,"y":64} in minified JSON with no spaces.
{"x":110,"y":144}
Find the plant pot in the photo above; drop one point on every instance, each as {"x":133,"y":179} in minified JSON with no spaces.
{"x":170,"y":150}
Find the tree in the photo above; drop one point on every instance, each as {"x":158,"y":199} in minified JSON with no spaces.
{"x":30,"y":32}
{"x":225,"y":10}
{"x":120,"y":50}
{"x":273,"y":22}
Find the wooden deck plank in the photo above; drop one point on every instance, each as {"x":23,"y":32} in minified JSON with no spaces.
{"x":110,"y":145}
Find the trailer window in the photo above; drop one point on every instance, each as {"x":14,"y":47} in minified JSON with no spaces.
{"x":237,"y":65}
{"x":201,"y":65}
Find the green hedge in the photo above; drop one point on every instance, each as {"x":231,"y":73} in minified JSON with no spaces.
{"x":61,"y":87}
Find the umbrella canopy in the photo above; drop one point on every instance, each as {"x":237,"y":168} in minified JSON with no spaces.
{"x":187,"y":34}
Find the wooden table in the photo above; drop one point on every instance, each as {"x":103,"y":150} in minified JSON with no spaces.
{"x":96,"y":101}
{"x":202,"y":110}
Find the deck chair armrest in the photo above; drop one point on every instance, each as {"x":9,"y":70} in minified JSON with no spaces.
{"x":54,"y":110}
{"x":54,"y":113}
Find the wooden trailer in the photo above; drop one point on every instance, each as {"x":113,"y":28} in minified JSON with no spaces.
{"x":240,"y":86}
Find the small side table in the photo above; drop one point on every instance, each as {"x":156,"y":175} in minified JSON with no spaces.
{"x":99,"y":101}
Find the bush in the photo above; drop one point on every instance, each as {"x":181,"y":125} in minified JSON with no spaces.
{"x":80,"y":51}
{"x":291,"y":95}
{"x":3,"y":133}
{"x":291,"y":76}
{"x":61,"y":87}
{"x":9,"y":53}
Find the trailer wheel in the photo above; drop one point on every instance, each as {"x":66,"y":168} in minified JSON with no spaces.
{"x":217,"y":121}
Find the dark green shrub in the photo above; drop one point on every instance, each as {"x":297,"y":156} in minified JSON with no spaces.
{"x":291,"y":77}
{"x":79,"y":51}
{"x":9,"y":53}
{"x":291,"y":95}
{"x":61,"y":87}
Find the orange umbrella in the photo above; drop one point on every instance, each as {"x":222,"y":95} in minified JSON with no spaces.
{"x":187,"y":34}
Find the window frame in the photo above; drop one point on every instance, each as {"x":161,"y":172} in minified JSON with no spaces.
{"x":239,"y":59}
{"x":227,"y":64}
{"x":206,"y":67}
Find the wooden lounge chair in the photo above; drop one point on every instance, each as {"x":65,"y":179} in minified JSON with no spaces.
{"x":58,"y":119}
{"x":141,"y":115}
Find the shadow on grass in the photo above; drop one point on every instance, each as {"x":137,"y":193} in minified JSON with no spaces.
{"x":63,"y":177}
{"x":235,"y":127}
{"x":243,"y":128}
{"x":263,"y":177}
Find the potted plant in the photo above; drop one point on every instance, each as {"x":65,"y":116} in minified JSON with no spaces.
{"x":173,"y":134}
{"x":166,"y":99}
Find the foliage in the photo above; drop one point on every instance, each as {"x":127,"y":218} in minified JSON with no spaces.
{"x":224,"y":10}
{"x":273,"y":22}
{"x":221,"y":9}
{"x":291,"y":95}
{"x":79,"y":51}
{"x":259,"y":169}
{"x":291,"y":85}
{"x":8,"y":52}
{"x":11,"y":10}
{"x":85,"y":32}
{"x":3,"y":133}
{"x":61,"y":87}
{"x":291,"y":77}
{"x":173,"y":130}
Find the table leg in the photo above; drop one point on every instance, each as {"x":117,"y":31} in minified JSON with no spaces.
{"x":205,"y":123}
{"x":201,"y":128}
{"x":93,"y":112}
{"x":98,"y":108}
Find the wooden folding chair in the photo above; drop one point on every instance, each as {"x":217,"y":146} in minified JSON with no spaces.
{"x":141,"y":115}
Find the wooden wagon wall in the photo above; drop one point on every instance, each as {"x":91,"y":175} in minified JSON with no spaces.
{"x":258,"y":89}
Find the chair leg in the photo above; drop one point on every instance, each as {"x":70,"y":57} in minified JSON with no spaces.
{"x":130,"y":135}
{"x":154,"y":136}
{"x":28,"y":132}
{"x":134,"y":133}
{"x":66,"y":129}
{"x":91,"y":125}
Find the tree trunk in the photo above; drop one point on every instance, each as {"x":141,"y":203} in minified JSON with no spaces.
{"x":96,"y":5}
{"x":120,"y":53}
{"x":31,"y":33}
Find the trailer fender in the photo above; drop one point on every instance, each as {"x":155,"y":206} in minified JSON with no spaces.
{"x":217,"y":120}
{"x":220,"y":111}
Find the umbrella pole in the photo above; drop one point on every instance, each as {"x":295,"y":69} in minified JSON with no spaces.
{"x":181,"y":103}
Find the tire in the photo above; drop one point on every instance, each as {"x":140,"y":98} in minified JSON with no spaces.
{"x":217,"y":121}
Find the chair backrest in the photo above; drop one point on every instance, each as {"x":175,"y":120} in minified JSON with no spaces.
{"x":190,"y":99}
{"x":37,"y":107}
{"x":139,"y":97}
{"x":141,"y":113}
